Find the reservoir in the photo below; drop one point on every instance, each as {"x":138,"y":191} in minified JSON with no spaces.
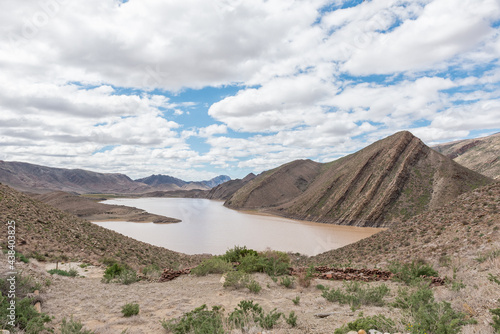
{"x":209,"y":227}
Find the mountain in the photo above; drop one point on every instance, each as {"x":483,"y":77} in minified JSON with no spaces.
{"x":460,"y":230}
{"x":481,"y":154}
{"x":387,"y":182}
{"x":227,"y":189}
{"x":45,"y":232}
{"x":169,"y":183}
{"x":34,"y":178}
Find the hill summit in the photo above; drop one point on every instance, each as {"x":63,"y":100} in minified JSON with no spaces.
{"x":389,"y":181}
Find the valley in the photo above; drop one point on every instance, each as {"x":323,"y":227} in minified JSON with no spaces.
{"x":436,"y":213}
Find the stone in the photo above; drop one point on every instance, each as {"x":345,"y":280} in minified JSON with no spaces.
{"x":361,"y":331}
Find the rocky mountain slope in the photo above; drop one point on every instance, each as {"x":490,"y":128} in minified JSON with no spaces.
{"x":227,"y":189}
{"x":169,"y":183}
{"x":386,"y":182}
{"x":44,"y":231}
{"x":40,"y":179}
{"x":480,"y":154}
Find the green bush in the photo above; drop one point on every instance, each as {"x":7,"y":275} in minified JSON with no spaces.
{"x":425,"y":315}
{"x":112,"y":271}
{"x":296,"y":300}
{"x":130,"y":309}
{"x":236,"y":279}
{"x":27,"y":318}
{"x":70,"y":273}
{"x":411,"y":272}
{"x":127,"y":277}
{"x":496,"y":319}
{"x":377,"y":322}
{"x":237,"y":253}
{"x":214,"y":265}
{"x":254,"y":287}
{"x":199,"y":321}
{"x":292,"y":319}
{"x":73,"y":327}
{"x":356,"y":295}
{"x":287,"y":281}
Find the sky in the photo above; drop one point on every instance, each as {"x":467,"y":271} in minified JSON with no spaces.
{"x":197,"y":88}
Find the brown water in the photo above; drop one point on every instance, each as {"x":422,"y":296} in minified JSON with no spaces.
{"x":209,"y":227}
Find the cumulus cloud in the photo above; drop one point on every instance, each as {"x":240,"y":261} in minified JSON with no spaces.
{"x":93,"y":84}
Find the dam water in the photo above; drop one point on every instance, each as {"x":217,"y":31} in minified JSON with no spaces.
{"x":209,"y":227}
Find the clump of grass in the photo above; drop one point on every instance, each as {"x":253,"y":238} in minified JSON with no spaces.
{"x":287,"y":281}
{"x":410,"y":273}
{"x":130,"y":309}
{"x":296,"y":300}
{"x":236,"y":279}
{"x":355,"y":295}
{"x":214,"y":265}
{"x":70,"y":273}
{"x":73,"y":327}
{"x":488,"y":255}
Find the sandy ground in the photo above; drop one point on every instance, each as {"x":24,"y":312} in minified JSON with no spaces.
{"x":98,"y":305}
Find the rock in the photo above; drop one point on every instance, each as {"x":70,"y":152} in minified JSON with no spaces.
{"x":361,"y":331}
{"x":352,"y":332}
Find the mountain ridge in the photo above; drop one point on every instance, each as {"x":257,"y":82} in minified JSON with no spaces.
{"x":389,"y":180}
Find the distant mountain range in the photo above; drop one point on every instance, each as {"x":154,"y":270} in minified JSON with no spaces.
{"x":480,"y":154}
{"x":389,"y":181}
{"x":41,"y":179}
{"x":168,"y":183}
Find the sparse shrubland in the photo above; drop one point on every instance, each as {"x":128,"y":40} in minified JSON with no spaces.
{"x":356,"y":294}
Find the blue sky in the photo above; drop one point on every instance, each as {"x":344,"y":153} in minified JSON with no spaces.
{"x":197,"y":88}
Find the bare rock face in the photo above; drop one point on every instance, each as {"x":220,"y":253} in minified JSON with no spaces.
{"x":387,"y":182}
{"x":481,"y":154}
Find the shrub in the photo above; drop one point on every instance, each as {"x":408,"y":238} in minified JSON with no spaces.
{"x":249,"y":313}
{"x":71,"y":273}
{"x":127,"y":277}
{"x":427,"y":316}
{"x":496,"y":319}
{"x":356,"y":295}
{"x":27,"y":318}
{"x":292,"y":319}
{"x":254,"y":287}
{"x":112,"y":271}
{"x":73,"y":327}
{"x":214,"y":265}
{"x":410,"y":273}
{"x":305,"y":278}
{"x":237,"y":253}
{"x":377,"y":322}
{"x":296,"y":300}
{"x":236,"y":279}
{"x":287,"y":281}
{"x":130,"y":309}
{"x":199,"y":321}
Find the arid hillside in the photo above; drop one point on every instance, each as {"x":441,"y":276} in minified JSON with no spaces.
{"x":480,"y":154}
{"x":42,"y":179}
{"x":44,"y":231}
{"x":389,"y":181}
{"x":227,"y":189}
{"x":465,"y":227}
{"x":91,"y":210}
